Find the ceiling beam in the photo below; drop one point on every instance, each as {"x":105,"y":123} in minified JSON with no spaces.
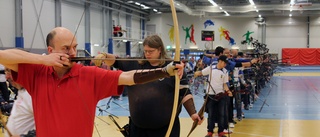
{"x":128,"y":6}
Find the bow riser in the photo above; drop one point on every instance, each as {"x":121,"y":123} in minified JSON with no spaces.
{"x":176,"y":59}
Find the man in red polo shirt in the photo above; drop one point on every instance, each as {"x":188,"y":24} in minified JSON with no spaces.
{"x":64,"y":94}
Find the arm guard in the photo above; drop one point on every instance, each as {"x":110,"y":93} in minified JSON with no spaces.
{"x":189,"y":105}
{"x":152,"y":75}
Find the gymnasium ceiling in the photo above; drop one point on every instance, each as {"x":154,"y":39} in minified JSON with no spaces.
{"x":238,"y":8}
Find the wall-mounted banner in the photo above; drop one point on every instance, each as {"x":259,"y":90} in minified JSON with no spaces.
{"x":187,"y":34}
{"x":248,"y":37}
{"x":191,"y":38}
{"x":225,"y":33}
{"x":171,"y":34}
{"x":208,"y":23}
{"x":192,"y":35}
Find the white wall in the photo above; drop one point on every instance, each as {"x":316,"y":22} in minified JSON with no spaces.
{"x":136,"y":34}
{"x":236,"y":26}
{"x":34,"y":32}
{"x":96,"y":30}
{"x":7,"y":25}
{"x":314,"y":32}
{"x":136,"y":29}
{"x":156,"y":19}
{"x":71,"y":15}
{"x":279,"y":33}
{"x":286,"y":32}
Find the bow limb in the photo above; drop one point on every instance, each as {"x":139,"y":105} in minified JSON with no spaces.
{"x":176,"y":59}
{"x":200,"y":113}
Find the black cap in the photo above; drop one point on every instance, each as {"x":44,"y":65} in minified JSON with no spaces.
{"x":223,"y":58}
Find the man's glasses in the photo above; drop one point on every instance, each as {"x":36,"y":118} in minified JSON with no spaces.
{"x":148,"y":51}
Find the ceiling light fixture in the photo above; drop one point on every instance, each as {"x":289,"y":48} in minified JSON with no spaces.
{"x":257,"y":10}
{"x":251,"y":2}
{"x":130,"y":1}
{"x":213,"y":3}
{"x":137,"y":3}
{"x":292,"y":2}
{"x":290,"y":15}
{"x":227,"y":14}
{"x":259,"y":16}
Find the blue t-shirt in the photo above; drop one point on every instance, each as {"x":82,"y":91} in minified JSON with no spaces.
{"x":230,"y":65}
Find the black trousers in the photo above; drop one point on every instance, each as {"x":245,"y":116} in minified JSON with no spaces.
{"x":217,"y":113}
{"x":136,"y":131}
{"x":230,"y":110}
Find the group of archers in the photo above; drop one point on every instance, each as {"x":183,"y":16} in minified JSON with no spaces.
{"x":57,"y":97}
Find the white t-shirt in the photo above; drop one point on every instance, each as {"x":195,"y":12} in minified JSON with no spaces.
{"x":237,"y":77}
{"x":21,"y":119}
{"x":218,"y":78}
{"x":2,"y":76}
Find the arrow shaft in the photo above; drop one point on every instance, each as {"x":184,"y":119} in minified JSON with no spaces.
{"x":123,"y":59}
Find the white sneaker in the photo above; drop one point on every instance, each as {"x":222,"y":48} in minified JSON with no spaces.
{"x":226,"y":131}
{"x":231,"y":125}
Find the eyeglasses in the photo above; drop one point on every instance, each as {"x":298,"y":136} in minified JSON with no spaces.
{"x":148,"y":51}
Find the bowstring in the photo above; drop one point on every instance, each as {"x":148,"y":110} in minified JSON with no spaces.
{"x":79,"y":91}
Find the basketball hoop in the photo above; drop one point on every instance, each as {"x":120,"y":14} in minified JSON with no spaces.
{"x":209,"y":45}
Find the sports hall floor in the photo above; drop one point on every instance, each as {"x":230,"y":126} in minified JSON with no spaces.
{"x":291,"y":109}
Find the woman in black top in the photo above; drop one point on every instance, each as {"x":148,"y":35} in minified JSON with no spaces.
{"x":151,"y":104}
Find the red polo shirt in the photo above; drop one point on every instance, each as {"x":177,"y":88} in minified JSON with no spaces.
{"x":66,"y":107}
